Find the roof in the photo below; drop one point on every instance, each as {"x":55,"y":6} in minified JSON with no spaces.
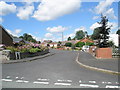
{"x":54,"y":43}
{"x":86,"y":40}
{"x":17,"y":40}
{"x":6,"y":31}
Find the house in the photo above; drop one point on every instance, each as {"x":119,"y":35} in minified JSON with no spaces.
{"x":54,"y":44}
{"x":18,"y":41}
{"x":44,"y":44}
{"x":86,"y":40}
{"x":5,"y":37}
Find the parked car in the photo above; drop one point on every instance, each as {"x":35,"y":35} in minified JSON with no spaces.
{"x":85,"y":48}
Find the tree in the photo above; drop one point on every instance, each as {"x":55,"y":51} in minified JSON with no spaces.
{"x":59,"y":42}
{"x":80,"y":44}
{"x":104,"y":30}
{"x":28,"y":37}
{"x":110,"y":43}
{"x":68,"y":44}
{"x":96,"y":34}
{"x":69,"y":38}
{"x":118,"y":32}
{"x":79,"y":34}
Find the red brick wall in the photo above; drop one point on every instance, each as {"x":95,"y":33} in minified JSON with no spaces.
{"x":104,"y":53}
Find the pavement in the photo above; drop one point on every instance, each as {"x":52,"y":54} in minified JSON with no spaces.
{"x":106,"y":64}
{"x":26,"y":59}
{"x":57,"y":71}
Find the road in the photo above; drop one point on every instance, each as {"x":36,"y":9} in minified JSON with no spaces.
{"x":59,"y":70}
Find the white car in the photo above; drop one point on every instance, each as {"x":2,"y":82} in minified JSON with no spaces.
{"x":85,"y":48}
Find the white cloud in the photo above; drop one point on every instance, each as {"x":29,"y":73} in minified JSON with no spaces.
{"x":25,"y":11}
{"x":72,"y":35}
{"x":110,"y":13}
{"x":95,"y":25}
{"x":6,"y":8}
{"x":114,"y":25}
{"x":81,"y":28}
{"x":95,"y":17}
{"x":56,"y":29}
{"x":48,"y":35}
{"x":103,"y":5}
{"x":52,"y":9}
{"x":104,"y":8}
{"x":15,"y":32}
{"x":1,"y":20}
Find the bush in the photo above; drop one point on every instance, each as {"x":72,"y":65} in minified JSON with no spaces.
{"x":34,"y":50}
{"x":80,"y":44}
{"x":68,"y":44}
{"x":89,"y":43}
{"x":12,"y":49}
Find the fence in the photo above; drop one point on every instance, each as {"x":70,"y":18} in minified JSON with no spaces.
{"x":116,"y":52}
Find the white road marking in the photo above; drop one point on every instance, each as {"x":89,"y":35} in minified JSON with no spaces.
{"x":88,"y":85}
{"x":64,"y":80}
{"x":7,"y":80}
{"x":22,"y":81}
{"x":43,"y":79}
{"x":108,"y":86}
{"x":109,"y":82}
{"x":92,"y":81}
{"x":36,"y":82}
{"x":66,"y":84}
{"x":80,"y":81}
{"x":16,"y":77}
{"x":21,"y":77}
{"x":117,"y":83}
{"x":8,"y":77}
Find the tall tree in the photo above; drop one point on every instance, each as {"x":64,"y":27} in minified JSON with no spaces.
{"x":96,"y":34}
{"x":104,"y":32}
{"x":69,"y":38}
{"x":79,"y":34}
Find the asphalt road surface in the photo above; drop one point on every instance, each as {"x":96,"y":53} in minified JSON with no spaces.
{"x":59,"y":70}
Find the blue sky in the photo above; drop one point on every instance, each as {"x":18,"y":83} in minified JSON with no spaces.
{"x":46,"y":20}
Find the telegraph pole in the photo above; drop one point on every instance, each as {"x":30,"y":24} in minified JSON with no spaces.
{"x":62,"y":36}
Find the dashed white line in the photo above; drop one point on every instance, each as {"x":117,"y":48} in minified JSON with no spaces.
{"x":88,"y":85}
{"x":43,"y":79}
{"x":108,"y":86}
{"x":7,"y":80}
{"x":22,"y":81}
{"x":92,"y":81}
{"x":64,"y":80}
{"x":65,"y":84}
{"x":16,"y":77}
{"x":8,"y":77}
{"x":36,"y":82}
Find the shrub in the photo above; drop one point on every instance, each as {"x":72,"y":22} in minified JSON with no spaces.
{"x":12,"y":49}
{"x":68,"y":44}
{"x":80,"y":44}
{"x":89,"y":43}
{"x":34,"y":50}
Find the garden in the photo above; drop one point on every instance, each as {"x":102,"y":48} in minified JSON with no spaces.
{"x":27,"y":50}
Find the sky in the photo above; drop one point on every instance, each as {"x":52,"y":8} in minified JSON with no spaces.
{"x":47,"y":19}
